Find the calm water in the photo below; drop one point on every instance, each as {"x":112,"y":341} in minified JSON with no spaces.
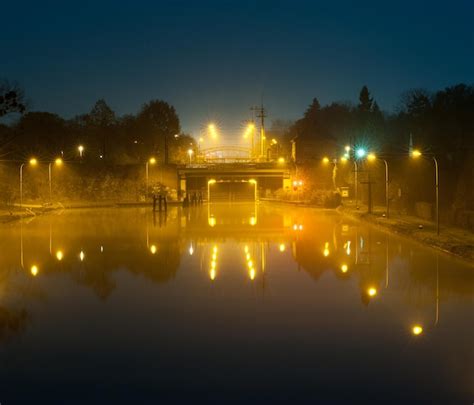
{"x":229,"y":302}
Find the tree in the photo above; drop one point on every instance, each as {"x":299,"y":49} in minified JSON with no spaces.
{"x":101,"y":114}
{"x":365,"y":101}
{"x":41,"y":133}
{"x":158,"y":123}
{"x":101,"y":118}
{"x":11,"y":99}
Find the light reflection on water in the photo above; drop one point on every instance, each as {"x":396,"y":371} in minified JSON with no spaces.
{"x":238,"y":301}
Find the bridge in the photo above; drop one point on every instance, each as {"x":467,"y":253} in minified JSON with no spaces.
{"x":226,"y":154}
{"x":230,"y":181}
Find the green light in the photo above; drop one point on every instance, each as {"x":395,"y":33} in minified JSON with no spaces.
{"x":361,"y":152}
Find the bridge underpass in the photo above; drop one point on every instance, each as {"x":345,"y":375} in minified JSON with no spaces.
{"x":233,"y":181}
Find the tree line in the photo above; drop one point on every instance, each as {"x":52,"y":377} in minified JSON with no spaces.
{"x":155,"y":131}
{"x":438,"y":123}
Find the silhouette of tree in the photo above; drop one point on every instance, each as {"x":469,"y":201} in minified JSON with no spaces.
{"x":42,"y":133}
{"x":11,"y":99}
{"x":365,"y":101}
{"x":157,"y":123}
{"x":102,"y":119}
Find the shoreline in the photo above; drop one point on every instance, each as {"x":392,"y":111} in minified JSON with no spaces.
{"x":455,"y":242}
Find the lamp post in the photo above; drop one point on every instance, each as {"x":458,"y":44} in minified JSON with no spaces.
{"x":190,"y":154}
{"x":437,"y":192}
{"x":372,"y":157}
{"x":200,"y":141}
{"x":32,"y":162}
{"x":57,"y":162}
{"x":417,"y":154}
{"x":149,"y":161}
{"x":250,"y":131}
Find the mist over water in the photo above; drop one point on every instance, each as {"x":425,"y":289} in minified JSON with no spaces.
{"x":239,"y":301}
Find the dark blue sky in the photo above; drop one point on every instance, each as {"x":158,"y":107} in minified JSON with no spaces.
{"x":214,"y":59}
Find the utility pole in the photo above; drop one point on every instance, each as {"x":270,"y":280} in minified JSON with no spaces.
{"x":261,"y":113}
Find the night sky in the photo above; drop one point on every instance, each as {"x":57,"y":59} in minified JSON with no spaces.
{"x":214,"y":59}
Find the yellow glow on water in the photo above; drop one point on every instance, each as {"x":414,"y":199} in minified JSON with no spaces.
{"x":252,"y":274}
{"x":59,"y":255}
{"x":214,"y":249}
{"x":281,"y":160}
{"x":253,"y":221}
{"x":81,"y":256}
{"x":213,"y":264}
{"x":372,"y":292}
{"x":34,"y":270}
{"x":246,"y":249}
{"x":326,"y":249}
{"x":417,"y":330}
{"x":247,"y":256}
{"x":153,"y":249}
{"x":212,"y":274}
{"x":282,"y":247}
{"x":212,"y":221}
{"x":250,"y":263}
{"x":344,"y":268}
{"x":347,"y":246}
{"x":191,"y":250}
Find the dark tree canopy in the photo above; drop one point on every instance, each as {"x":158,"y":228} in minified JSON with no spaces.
{"x":157,"y":123}
{"x":11,"y":99}
{"x":102,"y":115}
{"x":365,"y":101}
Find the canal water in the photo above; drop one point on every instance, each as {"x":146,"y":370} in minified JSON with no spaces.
{"x":229,"y":302}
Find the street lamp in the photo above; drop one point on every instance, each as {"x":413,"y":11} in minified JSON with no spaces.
{"x":212,"y":130}
{"x":57,"y":162}
{"x":250,"y":131}
{"x":416,"y":154}
{"x":80,"y":148}
{"x":151,"y":161}
{"x":372,"y":157}
{"x":361,"y":152}
{"x":190,"y":153}
{"x":32,"y":162}
{"x":200,"y":141}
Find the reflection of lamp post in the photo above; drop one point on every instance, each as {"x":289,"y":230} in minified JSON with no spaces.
{"x":32,"y":162}
{"x":150,"y":161}
{"x":57,"y":162}
{"x":211,"y":181}
{"x":254,"y":182}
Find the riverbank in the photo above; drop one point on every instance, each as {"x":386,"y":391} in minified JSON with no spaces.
{"x":14,"y":213}
{"x":451,"y":240}
{"x":455,"y":241}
